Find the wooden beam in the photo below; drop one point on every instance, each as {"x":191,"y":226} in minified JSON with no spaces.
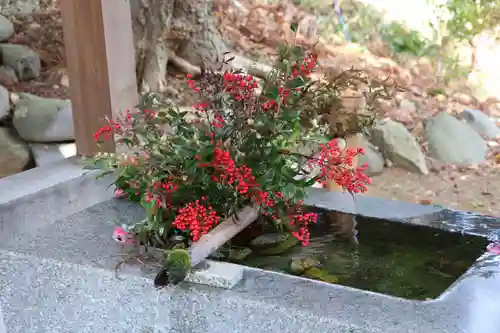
{"x":100,"y":58}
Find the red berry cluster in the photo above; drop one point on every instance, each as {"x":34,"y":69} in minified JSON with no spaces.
{"x":283,"y":93}
{"x":307,"y":66}
{"x":201,"y":107}
{"x":104,"y":132}
{"x":227,"y":172}
{"x":301,"y":222}
{"x":241,"y":87}
{"x":160,"y":193}
{"x":337,"y":164}
{"x":218,"y":122}
{"x":197,"y":218}
{"x":118,"y":127}
{"x":190,"y":83}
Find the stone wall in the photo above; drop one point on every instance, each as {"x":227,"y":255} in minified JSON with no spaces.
{"x":33,"y":130}
{"x":9,"y":7}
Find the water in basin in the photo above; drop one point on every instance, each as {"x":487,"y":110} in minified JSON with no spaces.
{"x":408,"y":261}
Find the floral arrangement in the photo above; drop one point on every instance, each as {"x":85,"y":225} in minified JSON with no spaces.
{"x":242,"y":144}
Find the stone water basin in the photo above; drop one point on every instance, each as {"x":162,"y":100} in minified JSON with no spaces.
{"x":57,"y":259}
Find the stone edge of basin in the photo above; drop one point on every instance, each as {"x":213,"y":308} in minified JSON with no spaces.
{"x":35,"y":180}
{"x":68,"y":176}
{"x":43,"y":191}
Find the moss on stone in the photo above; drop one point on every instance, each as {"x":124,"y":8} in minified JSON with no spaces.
{"x":320,"y":274}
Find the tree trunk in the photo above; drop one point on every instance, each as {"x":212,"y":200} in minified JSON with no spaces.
{"x":164,"y":28}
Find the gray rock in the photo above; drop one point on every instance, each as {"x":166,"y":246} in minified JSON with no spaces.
{"x":8,"y":76}
{"x":46,"y":154}
{"x":273,"y":244}
{"x":18,"y":7}
{"x":238,"y":255}
{"x":14,"y":155}
{"x":399,"y":146}
{"x":481,"y":123}
{"x":300,"y":265}
{"x":6,"y":28}
{"x":219,"y":255}
{"x":372,"y":157}
{"x":4,"y":102}
{"x":408,"y":106}
{"x":25,"y":62}
{"x":38,"y":119}
{"x":454,"y":142}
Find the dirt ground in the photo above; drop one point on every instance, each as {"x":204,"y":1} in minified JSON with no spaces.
{"x":471,"y":190}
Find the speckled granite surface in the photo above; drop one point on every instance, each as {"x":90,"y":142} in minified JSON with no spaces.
{"x":59,"y":277}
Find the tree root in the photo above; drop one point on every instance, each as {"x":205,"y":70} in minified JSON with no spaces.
{"x":239,"y":62}
{"x":155,"y":71}
{"x":184,"y":65}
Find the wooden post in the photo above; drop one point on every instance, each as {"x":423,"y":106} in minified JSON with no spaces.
{"x":100,"y":58}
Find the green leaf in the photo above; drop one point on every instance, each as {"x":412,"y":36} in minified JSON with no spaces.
{"x":173,"y":113}
{"x":289,"y":190}
{"x":294,"y":27}
{"x":310,"y":182}
{"x":295,"y":83}
{"x":272,"y":93}
{"x":296,"y":52}
{"x":104,"y":173}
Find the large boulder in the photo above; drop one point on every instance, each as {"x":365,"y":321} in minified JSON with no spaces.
{"x":399,"y":146}
{"x":6,"y":28}
{"x":372,"y":157}
{"x":38,"y":119}
{"x":452,"y":141}
{"x":25,"y":62}
{"x":481,"y":123}
{"x":4,"y":103}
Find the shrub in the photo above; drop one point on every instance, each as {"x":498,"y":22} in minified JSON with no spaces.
{"x":240,"y":145}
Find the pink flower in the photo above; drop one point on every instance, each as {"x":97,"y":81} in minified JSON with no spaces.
{"x":119,"y":193}
{"x":494,"y":248}
{"x":122,"y":237}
